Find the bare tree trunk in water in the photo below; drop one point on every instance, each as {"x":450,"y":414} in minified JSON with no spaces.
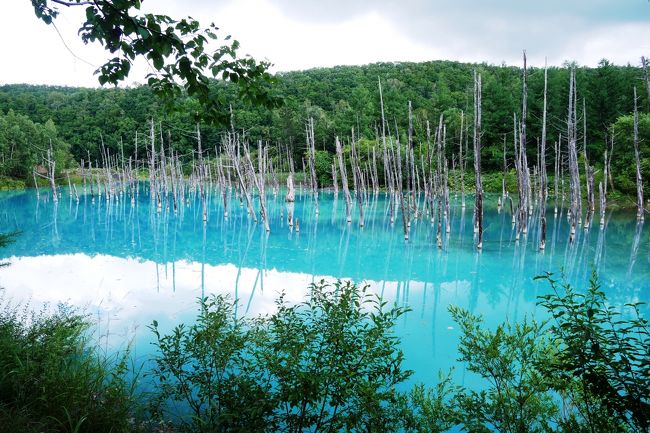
{"x":461,"y":162}
{"x":477,"y":159}
{"x":557,"y":171}
{"x":344,"y":181}
{"x":639,"y":179}
{"x":526,"y":205}
{"x":542,"y":167}
{"x":51,"y":166}
{"x":311,"y":144}
{"x":359,"y":189}
{"x":574,"y":185}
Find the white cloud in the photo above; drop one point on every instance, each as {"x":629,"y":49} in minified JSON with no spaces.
{"x":291,"y":44}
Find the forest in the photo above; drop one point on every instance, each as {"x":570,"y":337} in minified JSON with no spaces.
{"x":339,"y":99}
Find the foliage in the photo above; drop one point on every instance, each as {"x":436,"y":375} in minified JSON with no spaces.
{"x":7,"y":183}
{"x":323,"y":167}
{"x":586,"y":371}
{"x":516,"y":398}
{"x":335,"y":359}
{"x":208,"y":371}
{"x":427,"y":410}
{"x":24,"y":144}
{"x":53,"y":379}
{"x":7,"y":239}
{"x":175,"y":49}
{"x":330,"y":363}
{"x":605,"y":349}
{"x":623,"y":161}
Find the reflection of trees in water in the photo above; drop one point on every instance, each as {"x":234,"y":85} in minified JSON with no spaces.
{"x":261,"y":269}
{"x":600,"y":246}
{"x":116,"y":228}
{"x":585,"y":262}
{"x":476,"y":281}
{"x":243,"y":256}
{"x":635,"y":248}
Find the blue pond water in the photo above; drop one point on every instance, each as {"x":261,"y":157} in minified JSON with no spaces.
{"x":128,"y":265}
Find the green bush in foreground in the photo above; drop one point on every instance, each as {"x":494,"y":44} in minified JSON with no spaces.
{"x":586,"y":370}
{"x":516,"y":397}
{"x":328,"y":364}
{"x":332,"y":363}
{"x":603,"y":360}
{"x":52,"y":378}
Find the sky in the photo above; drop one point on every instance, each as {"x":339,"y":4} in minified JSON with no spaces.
{"x":303,"y":34}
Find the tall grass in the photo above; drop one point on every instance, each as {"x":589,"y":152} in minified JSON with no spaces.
{"x":54,"y":379}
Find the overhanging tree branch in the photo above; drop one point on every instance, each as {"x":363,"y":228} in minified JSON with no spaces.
{"x":177,"y":50}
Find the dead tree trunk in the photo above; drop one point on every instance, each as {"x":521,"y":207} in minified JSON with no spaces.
{"x":400,"y":190}
{"x":518,"y":170}
{"x":51,"y":168}
{"x":591,"y":204}
{"x":152,"y":163}
{"x":90,"y":172}
{"x":437,"y":183}
{"x":374,"y":171}
{"x":174,"y":180}
{"x":639,"y":180}
{"x":525,"y":195}
{"x":504,"y":191}
{"x":231,"y":144}
{"x":574,"y":185}
{"x":224,"y":186}
{"x":410,"y":166}
{"x":259,"y":179}
{"x":311,"y":144}
{"x":603,"y":204}
{"x":461,"y":162}
{"x":542,"y":167}
{"x":590,"y":191}
{"x":438,"y":193}
{"x":602,"y":189}
{"x":429,"y":177}
{"x":291,"y":191}
{"x":557,"y":172}
{"x":477,"y":159}
{"x":388,"y":161}
{"x":200,"y":174}
{"x":357,"y":177}
{"x":344,"y":182}
{"x":446,"y":196}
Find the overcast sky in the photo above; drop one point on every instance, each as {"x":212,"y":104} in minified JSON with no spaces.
{"x":301,"y":34}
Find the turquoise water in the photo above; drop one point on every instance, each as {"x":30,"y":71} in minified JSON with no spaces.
{"x":128,"y":265}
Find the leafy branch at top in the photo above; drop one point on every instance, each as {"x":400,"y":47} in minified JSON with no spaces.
{"x":177,"y":50}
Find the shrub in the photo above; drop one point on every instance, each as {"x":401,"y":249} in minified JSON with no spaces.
{"x":603,"y":359}
{"x":516,"y":396}
{"x":53,"y":379}
{"x":330,"y":363}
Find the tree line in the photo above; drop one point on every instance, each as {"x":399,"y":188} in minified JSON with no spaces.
{"x":339,"y":99}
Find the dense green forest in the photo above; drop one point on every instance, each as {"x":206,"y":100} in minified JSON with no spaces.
{"x":339,"y":99}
